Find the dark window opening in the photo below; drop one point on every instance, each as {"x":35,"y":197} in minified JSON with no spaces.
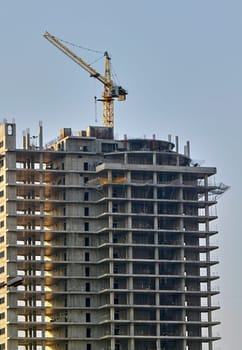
{"x":87,"y":241}
{"x":88,"y":332}
{"x":88,"y":317}
{"x":85,"y":179}
{"x":87,"y":256}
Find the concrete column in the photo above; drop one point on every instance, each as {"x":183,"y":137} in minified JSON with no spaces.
{"x":208,"y":258}
{"x":40,"y":136}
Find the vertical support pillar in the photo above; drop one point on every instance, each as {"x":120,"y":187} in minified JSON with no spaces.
{"x":177,"y":151}
{"x":40,"y":136}
{"x":183,"y":258}
{"x":209,"y":287}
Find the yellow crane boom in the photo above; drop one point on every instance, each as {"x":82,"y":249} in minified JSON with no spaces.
{"x":111,"y":91}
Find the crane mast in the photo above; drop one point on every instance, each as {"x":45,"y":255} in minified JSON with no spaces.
{"x":110,"y":92}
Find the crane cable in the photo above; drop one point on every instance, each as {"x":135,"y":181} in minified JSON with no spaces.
{"x":114,"y":75}
{"x":98,"y":59}
{"x":84,"y":48}
{"x":79,"y":46}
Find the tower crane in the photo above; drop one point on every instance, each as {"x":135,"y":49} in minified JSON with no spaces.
{"x":111,"y":91}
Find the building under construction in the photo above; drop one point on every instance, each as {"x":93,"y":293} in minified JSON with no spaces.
{"x":112,"y":240}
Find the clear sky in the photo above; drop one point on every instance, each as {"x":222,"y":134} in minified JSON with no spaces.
{"x":181,"y":61}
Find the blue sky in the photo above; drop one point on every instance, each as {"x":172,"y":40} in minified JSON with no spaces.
{"x":181,"y":63}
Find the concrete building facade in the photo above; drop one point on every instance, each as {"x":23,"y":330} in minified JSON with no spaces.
{"x":113,"y":239}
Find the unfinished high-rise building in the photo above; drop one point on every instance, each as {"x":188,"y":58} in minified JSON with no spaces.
{"x":112,"y":240}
